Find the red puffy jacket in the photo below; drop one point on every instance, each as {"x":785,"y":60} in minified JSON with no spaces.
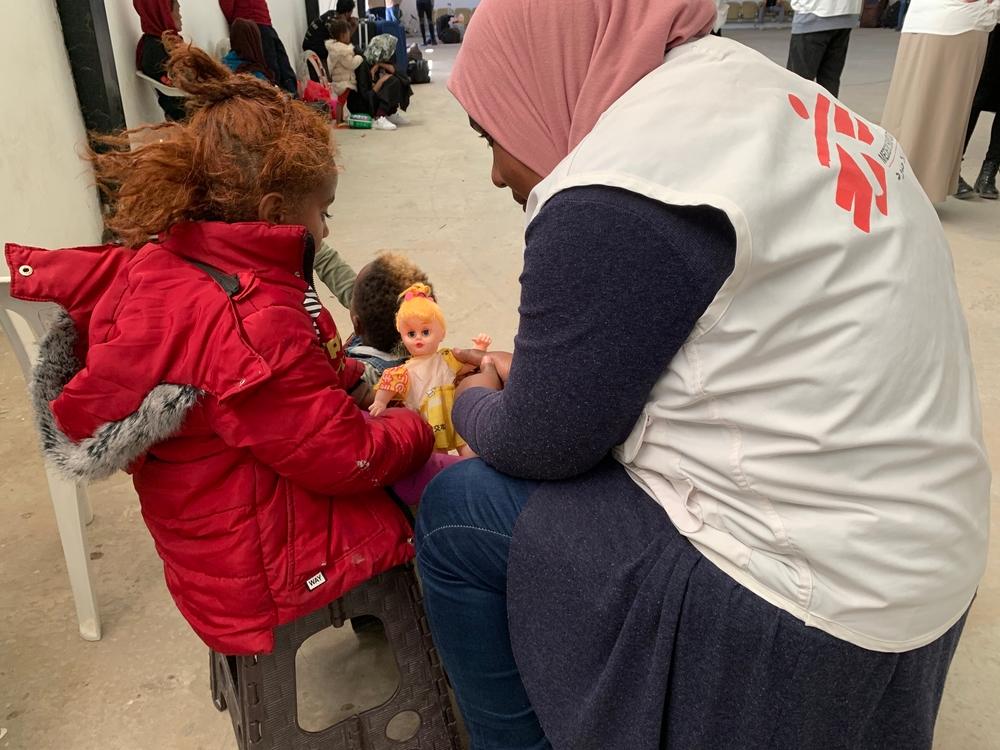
{"x":259,"y":479}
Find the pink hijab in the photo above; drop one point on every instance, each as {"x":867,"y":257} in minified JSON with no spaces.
{"x":537,"y":74}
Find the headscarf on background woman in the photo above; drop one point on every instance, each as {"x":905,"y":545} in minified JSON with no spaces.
{"x":245,"y":41}
{"x":381,"y":49}
{"x":156,"y":17}
{"x":540,"y":119}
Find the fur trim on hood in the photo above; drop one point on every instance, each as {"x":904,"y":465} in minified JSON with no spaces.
{"x":114,"y":446}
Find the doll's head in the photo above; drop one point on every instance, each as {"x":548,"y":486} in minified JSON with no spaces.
{"x":375,"y":299}
{"x":340,"y":30}
{"x":420,"y":321}
{"x":246,"y":152}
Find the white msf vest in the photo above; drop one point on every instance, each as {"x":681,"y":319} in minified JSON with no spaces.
{"x":818,"y":436}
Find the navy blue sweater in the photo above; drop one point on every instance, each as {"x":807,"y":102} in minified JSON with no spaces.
{"x":612,"y":286}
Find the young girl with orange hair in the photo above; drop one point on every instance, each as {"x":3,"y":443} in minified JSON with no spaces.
{"x":196,"y":356}
{"x":426,"y":381}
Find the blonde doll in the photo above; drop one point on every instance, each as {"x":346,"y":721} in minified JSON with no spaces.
{"x":426,"y":381}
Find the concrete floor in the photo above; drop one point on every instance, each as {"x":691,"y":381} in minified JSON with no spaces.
{"x":145,"y":685}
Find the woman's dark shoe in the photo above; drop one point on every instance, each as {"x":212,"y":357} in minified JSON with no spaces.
{"x":965,"y":191}
{"x":986,"y":183}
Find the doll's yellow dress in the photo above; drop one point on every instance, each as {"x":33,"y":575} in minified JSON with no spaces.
{"x":427,"y":385}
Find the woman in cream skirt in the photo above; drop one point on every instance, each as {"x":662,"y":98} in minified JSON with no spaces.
{"x":940,"y":57}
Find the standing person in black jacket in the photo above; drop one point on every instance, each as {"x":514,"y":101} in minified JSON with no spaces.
{"x":425,"y":12}
{"x":158,"y":17}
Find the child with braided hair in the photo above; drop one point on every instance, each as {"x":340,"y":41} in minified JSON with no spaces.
{"x":426,"y":382}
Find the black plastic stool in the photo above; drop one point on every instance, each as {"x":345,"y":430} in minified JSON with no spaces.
{"x":261,"y":695}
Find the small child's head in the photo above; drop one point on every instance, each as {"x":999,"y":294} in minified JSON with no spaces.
{"x":420,"y":321}
{"x":375,"y":299}
{"x":340,"y":30}
{"x":247,"y":152}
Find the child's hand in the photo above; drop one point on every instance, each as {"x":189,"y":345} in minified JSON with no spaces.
{"x":482,"y":342}
{"x":376,"y":409}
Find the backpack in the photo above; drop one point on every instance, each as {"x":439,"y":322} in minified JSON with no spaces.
{"x":419,"y":71}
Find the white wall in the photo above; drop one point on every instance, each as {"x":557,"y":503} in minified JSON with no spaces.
{"x":205,"y":26}
{"x":289,"y":18}
{"x":47,"y":196}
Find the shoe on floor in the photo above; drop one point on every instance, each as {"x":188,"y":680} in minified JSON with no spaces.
{"x":383,"y":124}
{"x":398,"y":118}
{"x":965,"y":191}
{"x":986,"y":183}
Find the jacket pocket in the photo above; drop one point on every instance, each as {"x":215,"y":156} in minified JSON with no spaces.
{"x":309,"y":529}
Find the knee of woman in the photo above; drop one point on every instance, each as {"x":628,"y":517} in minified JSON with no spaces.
{"x":448,"y":496}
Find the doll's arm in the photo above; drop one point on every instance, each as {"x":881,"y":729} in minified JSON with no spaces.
{"x":395,"y":383}
{"x":480,"y":343}
{"x":381,"y":403}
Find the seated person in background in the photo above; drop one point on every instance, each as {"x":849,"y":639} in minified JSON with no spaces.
{"x":317,"y":35}
{"x":341,"y":61}
{"x":276,"y":59}
{"x":446,"y":29}
{"x":382,"y":90}
{"x":246,"y":55}
{"x":374,"y":301}
{"x":158,"y":17}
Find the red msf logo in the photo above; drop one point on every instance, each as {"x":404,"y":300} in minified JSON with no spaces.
{"x":861,"y":181}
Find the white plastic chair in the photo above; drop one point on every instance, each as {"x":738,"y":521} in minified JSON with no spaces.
{"x":25,"y":324}
{"x":161,"y":87}
{"x":222,"y":48}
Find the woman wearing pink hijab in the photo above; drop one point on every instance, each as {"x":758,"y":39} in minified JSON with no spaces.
{"x":732,"y":490}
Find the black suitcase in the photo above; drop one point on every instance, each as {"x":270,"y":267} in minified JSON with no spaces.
{"x":366,"y":31}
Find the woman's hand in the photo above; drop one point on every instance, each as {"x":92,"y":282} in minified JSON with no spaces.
{"x":474,"y":358}
{"x":494,"y":369}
